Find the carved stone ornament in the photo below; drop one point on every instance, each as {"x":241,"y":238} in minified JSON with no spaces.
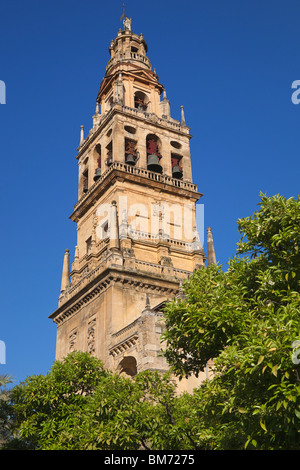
{"x":91,"y":336}
{"x":128,"y":253}
{"x":166,"y":261}
{"x":72,"y":340}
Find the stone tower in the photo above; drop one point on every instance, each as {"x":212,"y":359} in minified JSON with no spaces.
{"x":136,"y":223}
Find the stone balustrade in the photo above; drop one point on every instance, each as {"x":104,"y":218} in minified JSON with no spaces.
{"x":142,"y":172}
{"x":130,"y":56}
{"x":139,"y":266}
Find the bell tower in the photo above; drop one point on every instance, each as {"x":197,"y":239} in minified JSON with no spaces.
{"x":136,"y":221}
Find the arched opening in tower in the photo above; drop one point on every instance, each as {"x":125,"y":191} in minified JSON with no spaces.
{"x":128,"y":366}
{"x":141,"y":101}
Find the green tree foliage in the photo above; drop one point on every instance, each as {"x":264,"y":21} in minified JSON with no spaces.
{"x":81,"y":406}
{"x":5,"y":430}
{"x":246,"y":319}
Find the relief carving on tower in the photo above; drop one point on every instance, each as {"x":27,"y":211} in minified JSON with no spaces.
{"x":72,"y":340}
{"x":166,"y":261}
{"x":91,"y":336}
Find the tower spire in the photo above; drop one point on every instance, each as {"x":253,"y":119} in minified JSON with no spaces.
{"x":65,"y":280}
{"x":211,"y":256}
{"x":114,"y":226}
{"x":81,"y":134}
{"x":182,"y":116}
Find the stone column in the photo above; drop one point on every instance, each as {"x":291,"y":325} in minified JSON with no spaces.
{"x":81,"y":134}
{"x":65,"y":280}
{"x":211,"y":256}
{"x":141,"y":148}
{"x":114,"y":227}
{"x":118,"y":141}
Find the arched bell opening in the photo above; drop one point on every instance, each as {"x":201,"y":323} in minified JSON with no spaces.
{"x":131,"y":153}
{"x":109,"y":154}
{"x":128,"y":366}
{"x":85,"y":179}
{"x":97,"y":156}
{"x":153,"y":153}
{"x":141,"y":101}
{"x":176,"y":166}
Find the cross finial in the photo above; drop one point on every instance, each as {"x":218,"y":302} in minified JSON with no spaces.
{"x":123,"y":14}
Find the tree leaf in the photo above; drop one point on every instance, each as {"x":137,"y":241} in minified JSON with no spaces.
{"x":263,"y":426}
{"x":297,"y":413}
{"x":274,"y":370}
{"x":260,"y":359}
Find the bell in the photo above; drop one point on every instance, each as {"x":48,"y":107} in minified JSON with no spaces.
{"x":97,"y":174}
{"x":153,"y":163}
{"x":130,"y":160}
{"x":176,"y":172}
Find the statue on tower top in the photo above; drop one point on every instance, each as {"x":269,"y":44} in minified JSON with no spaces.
{"x":126,"y":21}
{"x":127,"y":24}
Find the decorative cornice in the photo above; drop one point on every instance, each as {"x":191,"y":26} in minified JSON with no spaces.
{"x":100,"y":283}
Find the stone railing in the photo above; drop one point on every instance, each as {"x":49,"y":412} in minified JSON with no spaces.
{"x":128,"y":330}
{"x":128,"y":55}
{"x":161,"y":270}
{"x":142,"y":172}
{"x":139,"y":266}
{"x":139,"y":235}
{"x":175,"y":125}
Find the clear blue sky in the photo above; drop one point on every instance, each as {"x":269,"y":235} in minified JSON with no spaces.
{"x":230,"y":63}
